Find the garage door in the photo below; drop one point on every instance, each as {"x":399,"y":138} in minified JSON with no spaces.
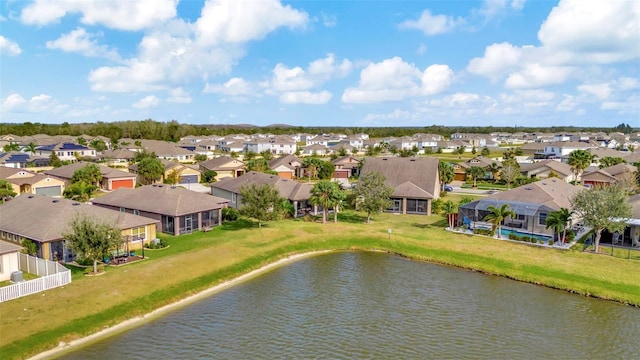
{"x":49,"y":190}
{"x":188,"y":179}
{"x":116,"y":184}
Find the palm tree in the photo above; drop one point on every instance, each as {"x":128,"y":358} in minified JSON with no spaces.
{"x":450,"y":209}
{"x":31,"y":148}
{"x":475,"y":172}
{"x":497,"y":215}
{"x":494,"y":168}
{"x":559,"y":221}
{"x":579,"y":160}
{"x":327,"y":194}
{"x":80,"y":191}
{"x":11,"y":147}
{"x":446,"y":172}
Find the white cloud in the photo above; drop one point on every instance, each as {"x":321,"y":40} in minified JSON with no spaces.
{"x":568,"y":103}
{"x":493,"y":8}
{"x":422,"y":49}
{"x":394,"y":80}
{"x":115,"y":14}
{"x":234,"y":87}
{"x":147,"y":102}
{"x":9,"y":47}
{"x":179,"y":95}
{"x":306,"y":97}
{"x":600,"y":32}
{"x":601,"y":91}
{"x":436,"y":79}
{"x":497,"y":61}
{"x":627,"y":83}
{"x":290,"y":79}
{"x":431,"y":24}
{"x":37,"y":104}
{"x":13,"y":102}
{"x":82,"y":42}
{"x":329,"y":20}
{"x":240,"y":21}
{"x":576,"y":34}
{"x":537,"y":75}
{"x":178,"y":52}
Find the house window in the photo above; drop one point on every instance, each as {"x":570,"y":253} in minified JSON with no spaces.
{"x":542,"y":218}
{"x":139,"y":232}
{"x":233,"y":198}
{"x":123,"y":209}
{"x":136,"y":212}
{"x":519,"y":217}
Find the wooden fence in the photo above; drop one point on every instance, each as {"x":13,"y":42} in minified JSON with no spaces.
{"x":51,"y":275}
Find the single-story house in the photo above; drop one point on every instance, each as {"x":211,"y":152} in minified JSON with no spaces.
{"x":112,"y":179}
{"x":531,"y":203}
{"x":350,"y":163}
{"x":178,"y":210}
{"x":609,"y":175}
{"x":186,"y":174}
{"x":297,"y":193}
{"x":9,"y":261}
{"x":287,"y":167}
{"x":544,"y":168}
{"x":633,"y":229}
{"x":460,"y":169}
{"x":16,"y":159}
{"x":27,"y":182}
{"x":119,"y":157}
{"x":416,"y":182}
{"x":224,"y":166}
{"x":44,"y":220}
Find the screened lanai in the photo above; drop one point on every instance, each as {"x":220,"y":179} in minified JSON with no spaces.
{"x":530,"y":218}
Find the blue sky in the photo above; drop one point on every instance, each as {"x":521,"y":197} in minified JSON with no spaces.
{"x":322,"y":63}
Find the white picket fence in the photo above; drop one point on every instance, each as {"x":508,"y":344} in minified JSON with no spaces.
{"x":51,"y":275}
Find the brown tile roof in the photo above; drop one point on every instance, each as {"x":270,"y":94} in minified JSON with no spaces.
{"x":44,"y":219}
{"x":289,"y":189}
{"x":161,"y":199}
{"x":66,"y":172}
{"x":421,"y":171}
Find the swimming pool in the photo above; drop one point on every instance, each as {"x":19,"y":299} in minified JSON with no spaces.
{"x":505,"y":233}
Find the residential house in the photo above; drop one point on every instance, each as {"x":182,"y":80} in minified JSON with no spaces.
{"x":316,"y":149}
{"x":561,"y":149}
{"x":460,"y":169}
{"x":178,"y":210}
{"x":545,"y":168}
{"x":16,"y":159}
{"x":44,"y":220}
{"x":224,"y":166}
{"x":620,"y":173}
{"x":9,"y":261}
{"x":112,"y":179}
{"x":632,"y":231}
{"x":119,"y":157}
{"x":287,"y":167}
{"x":27,"y":182}
{"x":416,"y":182}
{"x":297,"y":193}
{"x":348,"y":164}
{"x":531,"y":203}
{"x":168,"y":151}
{"x":66,"y":151}
{"x":184,"y":174}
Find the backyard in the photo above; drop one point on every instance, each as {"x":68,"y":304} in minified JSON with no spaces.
{"x":195,"y":262}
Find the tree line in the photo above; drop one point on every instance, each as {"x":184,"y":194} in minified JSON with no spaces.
{"x":173,"y":130}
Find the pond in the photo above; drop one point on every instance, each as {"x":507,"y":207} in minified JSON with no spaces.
{"x":374,"y":305}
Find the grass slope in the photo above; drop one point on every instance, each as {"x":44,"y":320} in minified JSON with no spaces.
{"x":198,"y":261}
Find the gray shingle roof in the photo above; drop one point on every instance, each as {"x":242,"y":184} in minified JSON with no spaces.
{"x":554,"y":193}
{"x":43,"y":218}
{"x":420,"y":171}
{"x":289,"y":189}
{"x":7,"y":248}
{"x":162,"y":199}
{"x":66,"y":172}
{"x":222,"y":163}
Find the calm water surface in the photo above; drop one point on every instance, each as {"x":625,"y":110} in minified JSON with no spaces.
{"x":378,"y":306}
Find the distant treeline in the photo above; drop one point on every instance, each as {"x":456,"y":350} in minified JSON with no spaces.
{"x":173,"y":131}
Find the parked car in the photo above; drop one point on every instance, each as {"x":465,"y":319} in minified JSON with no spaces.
{"x":448,"y":188}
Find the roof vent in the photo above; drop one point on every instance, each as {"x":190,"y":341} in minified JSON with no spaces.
{"x":75,"y":204}
{"x":55,"y":201}
{"x":528,"y":188}
{"x":155,"y":185}
{"x":412,"y":159}
{"x":30,"y":196}
{"x":160,"y":186}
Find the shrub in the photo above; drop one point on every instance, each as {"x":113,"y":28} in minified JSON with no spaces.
{"x":550,"y":242}
{"x":230,"y":214}
{"x":436,"y":206}
{"x":85,"y":262}
{"x":156,"y":245}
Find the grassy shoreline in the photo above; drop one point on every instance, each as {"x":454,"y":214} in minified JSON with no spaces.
{"x":197,"y":262}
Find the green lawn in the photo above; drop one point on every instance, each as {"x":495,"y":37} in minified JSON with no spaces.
{"x":198,"y":261}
